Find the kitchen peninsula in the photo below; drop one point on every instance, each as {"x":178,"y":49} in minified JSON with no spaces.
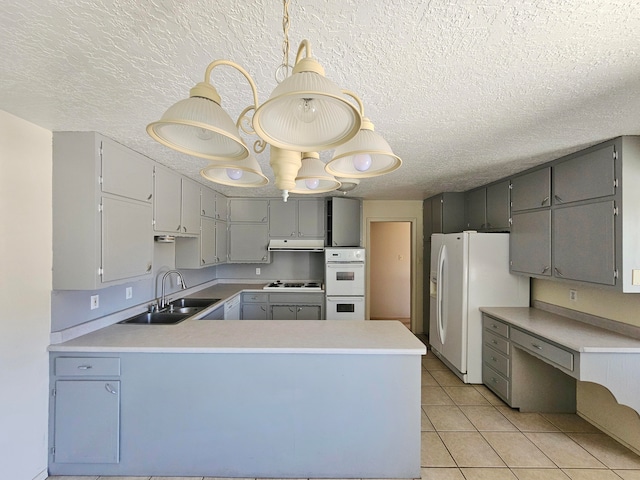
{"x":238,"y":399}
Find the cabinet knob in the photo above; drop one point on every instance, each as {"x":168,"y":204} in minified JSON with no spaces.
{"x":558,"y":199}
{"x":149,"y":197}
{"x":544,"y":200}
{"x":110,"y":389}
{"x":558,"y":272}
{"x":149,"y":267}
{"x":545,"y":269}
{"x":178,"y":229}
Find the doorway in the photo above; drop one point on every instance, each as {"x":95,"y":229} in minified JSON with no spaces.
{"x":390,"y":271}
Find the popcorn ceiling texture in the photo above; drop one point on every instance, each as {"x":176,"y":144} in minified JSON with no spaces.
{"x":465,"y":91}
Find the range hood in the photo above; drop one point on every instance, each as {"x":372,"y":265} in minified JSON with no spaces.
{"x":296,"y":245}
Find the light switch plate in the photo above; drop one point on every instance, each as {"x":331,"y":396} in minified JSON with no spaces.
{"x":95,"y":301}
{"x":635,"y":277}
{"x":128,"y":293}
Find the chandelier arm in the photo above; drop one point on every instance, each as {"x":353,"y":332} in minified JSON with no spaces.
{"x":357,"y":99}
{"x":304,"y":44}
{"x":252,"y":84}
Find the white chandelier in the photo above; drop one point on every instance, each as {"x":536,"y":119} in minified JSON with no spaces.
{"x":306,"y":113}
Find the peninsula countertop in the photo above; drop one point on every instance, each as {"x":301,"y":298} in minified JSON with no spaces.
{"x":252,"y":336}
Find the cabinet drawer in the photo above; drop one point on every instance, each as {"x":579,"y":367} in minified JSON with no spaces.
{"x":87,"y":366}
{"x":494,"y":341}
{"x":544,"y":349}
{"x":496,"y":382}
{"x":495,"y":326}
{"x":255,"y":297}
{"x":496,"y":360}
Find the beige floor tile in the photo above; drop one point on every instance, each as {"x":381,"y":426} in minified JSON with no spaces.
{"x":516,"y":450}
{"x":539,"y":474}
{"x":590,"y":474}
{"x":432,"y":364}
{"x":426,"y":425}
{"x":428,"y":380}
{"x":448,"y":418}
{"x":435,"y":396}
{"x":488,"y":474}
{"x":491,"y":397}
{"x":629,"y":474}
{"x":527,"y":422}
{"x":570,"y":422}
{"x":564,"y":452}
{"x":487,"y":418}
{"x":470,"y":449}
{"x":446,"y":378}
{"x":607,"y":450}
{"x":465,"y":396}
{"x":433,"y":453}
{"x":442,"y":474}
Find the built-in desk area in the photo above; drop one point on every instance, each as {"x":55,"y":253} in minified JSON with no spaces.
{"x":533,"y":357}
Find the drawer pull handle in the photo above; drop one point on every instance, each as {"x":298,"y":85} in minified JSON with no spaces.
{"x":110,"y":389}
{"x":84,"y":367}
{"x":535,"y":345}
{"x":544,"y":200}
{"x":495,"y":342}
{"x":493,"y":379}
{"x":493,"y":359}
{"x":494,"y":326}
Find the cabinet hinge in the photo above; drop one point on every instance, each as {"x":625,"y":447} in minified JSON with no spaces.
{"x":100,"y":207}
{"x":100,"y":180}
{"x":615,"y":274}
{"x":615,"y":183}
{"x":511,"y":186}
{"x":510,"y":221}
{"x":615,"y":154}
{"x":53,"y":392}
{"x":100,"y":150}
{"x":615,"y":210}
{"x":53,"y":450}
{"x":101,"y":271}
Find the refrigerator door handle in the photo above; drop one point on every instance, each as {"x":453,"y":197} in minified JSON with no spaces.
{"x":442,"y":255}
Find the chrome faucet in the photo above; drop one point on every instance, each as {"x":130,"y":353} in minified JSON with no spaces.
{"x":163,"y":302}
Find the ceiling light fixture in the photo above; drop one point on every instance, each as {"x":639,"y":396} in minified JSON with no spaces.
{"x":312,"y":177}
{"x":306,"y":112}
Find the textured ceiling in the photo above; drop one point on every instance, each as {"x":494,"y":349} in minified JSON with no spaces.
{"x":465,"y":91}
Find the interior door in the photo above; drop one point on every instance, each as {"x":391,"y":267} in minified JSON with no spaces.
{"x":454,"y":302}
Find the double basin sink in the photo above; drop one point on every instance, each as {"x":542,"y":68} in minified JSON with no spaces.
{"x":174,"y":312}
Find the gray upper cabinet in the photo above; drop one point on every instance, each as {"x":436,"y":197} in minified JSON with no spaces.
{"x":248,"y":210}
{"x":190,"y":213}
{"x":475,"y":209}
{"x":311,"y":218}
{"x":283,"y":218}
{"x":530,"y":243}
{"x":297,"y":218}
{"x":447,"y":212}
{"x":498,"y":206}
{"x":248,"y":243}
{"x":343,"y":222}
{"x":207,"y":202}
{"x":531,"y":190}
{"x":102,"y":212}
{"x":584,"y":243}
{"x":586,"y":176}
{"x":177,"y":203}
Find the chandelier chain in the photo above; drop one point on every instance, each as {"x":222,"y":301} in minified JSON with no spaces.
{"x":283,"y":71}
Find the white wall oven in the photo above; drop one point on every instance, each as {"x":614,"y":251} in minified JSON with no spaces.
{"x":344,"y":283}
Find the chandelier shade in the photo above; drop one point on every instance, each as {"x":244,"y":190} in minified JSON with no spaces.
{"x":312,"y":177}
{"x":199,"y":126}
{"x":366,"y":155}
{"x":242,"y":173}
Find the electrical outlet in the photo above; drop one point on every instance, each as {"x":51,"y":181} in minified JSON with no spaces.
{"x":573,"y":295}
{"x":95,"y":301}
{"x":128,"y":293}
{"x":257,"y":270}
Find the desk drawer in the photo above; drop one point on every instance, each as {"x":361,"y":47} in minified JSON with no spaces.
{"x":494,"y":341}
{"x":496,"y":360}
{"x":496,"y":382}
{"x":255,"y":297}
{"x":544,"y":349}
{"x":496,"y":326}
{"x":87,"y":366}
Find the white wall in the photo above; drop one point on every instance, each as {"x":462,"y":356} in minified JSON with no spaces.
{"x":25,"y":296}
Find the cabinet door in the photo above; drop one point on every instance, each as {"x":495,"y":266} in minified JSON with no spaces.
{"x":587,"y":176}
{"x":530,"y":243}
{"x":475,"y":203}
{"x":447,"y":212}
{"x":208,"y":242}
{"x":436,"y":213}
{"x":87,"y":421}
{"x":254,"y":311}
{"x":283,"y":312}
{"x":532,"y":190}
{"x":190,"y":215}
{"x":283,"y":218}
{"x":308,"y":312}
{"x":498,"y":210}
{"x":221,"y":207}
{"x":248,"y":243}
{"x":345,"y":218}
{"x":125,"y":172}
{"x":127,"y":239}
{"x":168,"y":200}
{"x":584,"y":243}
{"x":427,"y":219}
{"x":248,"y":210}
{"x":311,"y":218}
{"x":207,"y":202}
{"x":221,"y":242}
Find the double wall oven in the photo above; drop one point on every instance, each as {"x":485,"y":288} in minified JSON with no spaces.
{"x":344,"y":283}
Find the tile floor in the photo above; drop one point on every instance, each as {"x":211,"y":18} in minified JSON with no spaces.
{"x":470,"y":434}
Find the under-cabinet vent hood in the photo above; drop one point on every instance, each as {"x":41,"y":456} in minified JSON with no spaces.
{"x":296,"y":245}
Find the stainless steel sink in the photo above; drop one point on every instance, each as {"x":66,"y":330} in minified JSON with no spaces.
{"x":157,"y":318}
{"x":176,"y":312}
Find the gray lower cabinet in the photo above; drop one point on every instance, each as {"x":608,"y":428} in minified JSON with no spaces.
{"x":254,"y":306}
{"x":282,"y":306}
{"x":530,"y":243}
{"x":296,"y":312}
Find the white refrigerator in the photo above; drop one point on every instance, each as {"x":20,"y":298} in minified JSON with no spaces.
{"x":469,"y":270}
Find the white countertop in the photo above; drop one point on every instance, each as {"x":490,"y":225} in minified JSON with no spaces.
{"x":252,"y":336}
{"x":578,"y":336}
